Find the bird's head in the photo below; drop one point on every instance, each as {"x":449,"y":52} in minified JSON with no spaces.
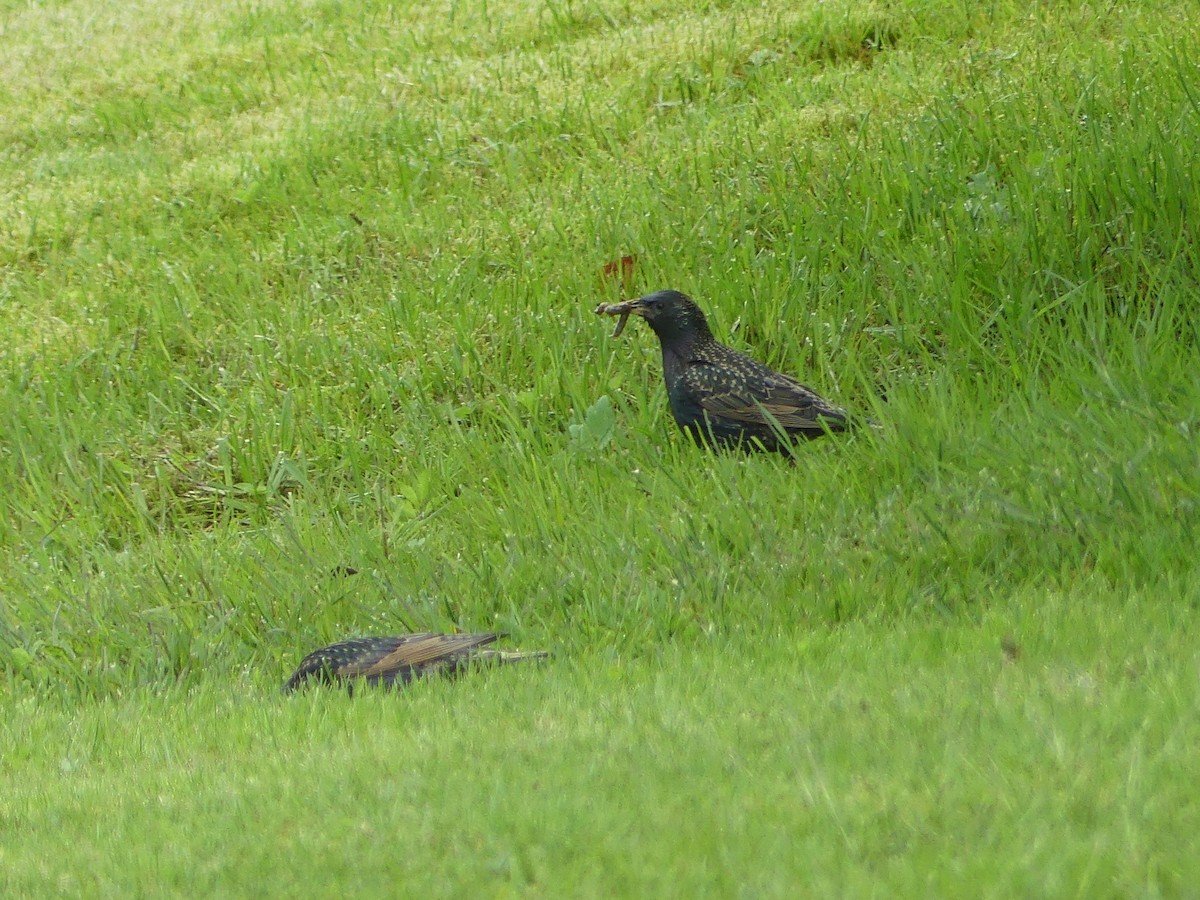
{"x":671,"y":314}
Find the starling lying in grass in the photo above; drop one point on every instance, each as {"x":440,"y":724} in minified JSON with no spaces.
{"x":388,"y":660}
{"x":719,"y":396}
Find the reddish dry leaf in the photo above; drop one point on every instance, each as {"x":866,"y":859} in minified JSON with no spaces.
{"x":622,"y":268}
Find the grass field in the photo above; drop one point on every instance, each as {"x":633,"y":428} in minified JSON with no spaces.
{"x":293,"y":286}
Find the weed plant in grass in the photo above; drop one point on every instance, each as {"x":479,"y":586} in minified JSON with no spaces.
{"x":292,"y":287}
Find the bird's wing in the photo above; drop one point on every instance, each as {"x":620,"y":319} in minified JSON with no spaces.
{"x":420,"y":649}
{"x":343,"y":658}
{"x":759,"y":396}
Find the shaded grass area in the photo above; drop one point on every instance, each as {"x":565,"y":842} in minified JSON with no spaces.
{"x":288,"y":288}
{"x":625,"y":544}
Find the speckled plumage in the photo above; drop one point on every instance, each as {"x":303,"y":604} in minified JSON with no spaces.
{"x":720,"y":396}
{"x":388,"y":660}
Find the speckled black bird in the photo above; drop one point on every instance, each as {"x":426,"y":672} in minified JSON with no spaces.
{"x":719,"y":396}
{"x":388,"y":660}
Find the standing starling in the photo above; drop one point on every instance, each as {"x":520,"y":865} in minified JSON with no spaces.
{"x":389,"y":660}
{"x":719,"y":396}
